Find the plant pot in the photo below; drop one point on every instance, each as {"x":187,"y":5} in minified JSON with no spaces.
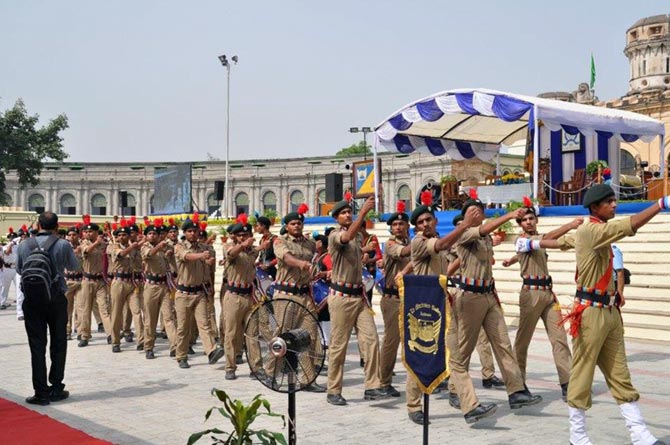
{"x":502,"y":234}
{"x":369,"y":224}
{"x":224,"y":239}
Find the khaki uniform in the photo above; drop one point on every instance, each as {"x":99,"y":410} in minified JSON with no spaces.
{"x":93,"y":288}
{"x":600,"y":337}
{"x":73,"y":282}
{"x":190,"y":299}
{"x":474,"y":310}
{"x":535,"y":302}
{"x":209,"y":286}
{"x":155,"y":292}
{"x":237,"y":302}
{"x":222,"y":292}
{"x":121,"y":289}
{"x":168,"y":303}
{"x":348,"y":309}
{"x":132,"y":311}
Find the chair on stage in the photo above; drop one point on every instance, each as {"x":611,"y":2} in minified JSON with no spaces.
{"x":451,"y":197}
{"x":571,"y":192}
{"x":490,"y":179}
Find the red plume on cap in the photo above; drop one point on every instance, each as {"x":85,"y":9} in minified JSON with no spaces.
{"x":171,"y":221}
{"x":203,"y":226}
{"x":302,"y":209}
{"x":114,"y":226}
{"x":242,"y":218}
{"x":347,"y":196}
{"x":132,"y":220}
{"x":473,"y":194}
{"x":527,"y":202}
{"x":158,"y":222}
{"x":427,"y":198}
{"x":146,"y":218}
{"x":400,"y":207}
{"x":77,"y":226}
{"x":195,"y":218}
{"x":24,"y":228}
{"x":87,"y":219}
{"x":11,"y":230}
{"x":124,"y":222}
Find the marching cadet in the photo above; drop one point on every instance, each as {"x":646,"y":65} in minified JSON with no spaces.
{"x":476,"y":305}
{"x":93,"y":287}
{"x":348,"y":305}
{"x":170,"y":234}
{"x":294,"y":253}
{"x":72,"y":277}
{"x":396,"y":257}
{"x":210,"y":267}
{"x":132,"y":311}
{"x":537,"y":299}
{"x":155,"y":253}
{"x":596,"y":328}
{"x":123,"y":285}
{"x":267,"y":260}
{"x":190,"y":299}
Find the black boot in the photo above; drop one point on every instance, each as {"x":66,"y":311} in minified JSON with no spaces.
{"x":493,"y":382}
{"x":523,"y":398}
{"x":564,"y":392}
{"x":480,"y":412}
{"x":454,"y":401}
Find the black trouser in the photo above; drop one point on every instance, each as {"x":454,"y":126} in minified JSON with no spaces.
{"x":39,"y":313}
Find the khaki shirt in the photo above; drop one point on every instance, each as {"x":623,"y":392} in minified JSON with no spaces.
{"x":535,"y":261}
{"x":135,"y":260}
{"x":79,"y":258}
{"x":92,"y":262}
{"x":209,"y":270}
{"x":425,"y":259}
{"x":301,"y":248}
{"x":189,"y":273}
{"x":475,"y":252}
{"x":120,"y":263}
{"x":171,"y":259}
{"x":241,"y":270}
{"x":592,"y":242}
{"x":394,"y":262}
{"x":154,"y":264}
{"x":347,"y":258}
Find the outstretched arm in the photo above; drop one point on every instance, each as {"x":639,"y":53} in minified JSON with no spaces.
{"x":557,"y":233}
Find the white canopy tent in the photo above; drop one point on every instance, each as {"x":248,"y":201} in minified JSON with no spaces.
{"x":467,"y":123}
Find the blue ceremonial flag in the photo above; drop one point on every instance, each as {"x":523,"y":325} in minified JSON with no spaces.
{"x":424,"y":321}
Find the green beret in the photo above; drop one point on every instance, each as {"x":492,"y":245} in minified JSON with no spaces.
{"x":397,"y":216}
{"x":121,"y":230}
{"x":597,"y":193}
{"x":472,"y":202}
{"x":420,"y":210}
{"x":264,"y":220}
{"x":293,"y":216}
{"x":339,"y":207}
{"x":283,"y":230}
{"x":456,"y":220}
{"x":91,"y":226}
{"x":189,"y":224}
{"x":152,"y":228}
{"x":240,"y":228}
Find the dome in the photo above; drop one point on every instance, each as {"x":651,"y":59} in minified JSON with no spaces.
{"x":661,"y":18}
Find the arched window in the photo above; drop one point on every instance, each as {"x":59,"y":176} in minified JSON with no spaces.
{"x":405,"y":195}
{"x":241,"y":203}
{"x":320,"y":200}
{"x":212,"y":203}
{"x":98,"y":204}
{"x":68,"y":204}
{"x":131,"y":208}
{"x":269,"y":201}
{"x":628,"y":163}
{"x":297,"y":198}
{"x":36,"y":203}
{"x":7,"y":200}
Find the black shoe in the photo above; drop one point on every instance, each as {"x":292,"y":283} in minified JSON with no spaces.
{"x":230,"y":375}
{"x":454,"y":401}
{"x":659,"y":442}
{"x":336,"y":399}
{"x":163,"y":335}
{"x":58,"y":396}
{"x":362,"y":363}
{"x":239,"y":360}
{"x":116,"y":348}
{"x":109,"y":339}
{"x":191,"y":351}
{"x":79,"y":337}
{"x":258,"y":375}
{"x":374,"y":394}
{"x":391,"y":391}
{"x":417,"y":417}
{"x":82,"y":343}
{"x":523,"y":398}
{"x":101,"y":328}
{"x":215,"y":355}
{"x":140,"y":346}
{"x":183,"y":364}
{"x":564,"y":392}
{"x":315,"y":387}
{"x":149,"y":354}
{"x":129,"y":338}
{"x":493,"y":382}
{"x":173,"y":353}
{"x":69,"y":337}
{"x":480,"y":412}
{"x":35,"y":400}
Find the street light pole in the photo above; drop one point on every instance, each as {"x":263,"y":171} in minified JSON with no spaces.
{"x":226,"y":63}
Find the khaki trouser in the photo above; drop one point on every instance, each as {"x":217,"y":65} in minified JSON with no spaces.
{"x":154,"y":297}
{"x":485,"y":353}
{"x":124,"y":294}
{"x":77,"y":316}
{"x":236,"y":310}
{"x":222,"y":324}
{"x":168,"y":310}
{"x":390,"y":307}
{"x":600,"y":342}
{"x":73,"y":288}
{"x":129,"y":313}
{"x":534,"y":305}
{"x":345,"y":314}
{"x":474,"y":311}
{"x":187,"y":307}
{"x":93,"y":290}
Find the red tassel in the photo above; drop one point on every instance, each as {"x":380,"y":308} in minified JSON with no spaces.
{"x":347,"y":196}
{"x":203,"y":226}
{"x":400,"y":207}
{"x":473,"y":194}
{"x":427,"y":198}
{"x":527,"y":202}
{"x":575,"y":319}
{"x":302,"y":209}
{"x":242,"y":218}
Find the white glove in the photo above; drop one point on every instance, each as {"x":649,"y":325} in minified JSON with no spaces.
{"x":664,"y":203}
{"x":524,"y":245}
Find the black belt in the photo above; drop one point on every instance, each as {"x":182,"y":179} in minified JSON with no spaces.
{"x":453,"y":281}
{"x":189,"y":289}
{"x":602,"y":299}
{"x":297,"y":290}
{"x":477,"y":289}
{"x":239,"y":290}
{"x":158,"y":278}
{"x":537,"y":281}
{"x":124,"y":275}
{"x":138,"y":275}
{"x":347,"y":290}
{"x":393,"y":291}
{"x":10,"y":265}
{"x":73,"y":276}
{"x":92,"y":276}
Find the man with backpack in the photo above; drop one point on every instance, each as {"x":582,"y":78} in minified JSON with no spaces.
{"x":41,"y":262}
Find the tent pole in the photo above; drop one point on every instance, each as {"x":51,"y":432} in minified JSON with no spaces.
{"x":536,"y":153}
{"x":376,"y":173}
{"x":664,"y":169}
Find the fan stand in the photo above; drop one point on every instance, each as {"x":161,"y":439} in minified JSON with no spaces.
{"x":292,"y":360}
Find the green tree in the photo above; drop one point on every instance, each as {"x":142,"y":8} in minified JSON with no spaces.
{"x":24,"y":148}
{"x":354,"y":149}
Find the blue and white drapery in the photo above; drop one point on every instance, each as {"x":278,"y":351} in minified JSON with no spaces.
{"x":464,"y":124}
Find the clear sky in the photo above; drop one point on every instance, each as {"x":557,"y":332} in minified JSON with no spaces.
{"x":140,"y":80}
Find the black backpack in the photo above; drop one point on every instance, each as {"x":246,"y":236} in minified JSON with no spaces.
{"x":39,"y":275}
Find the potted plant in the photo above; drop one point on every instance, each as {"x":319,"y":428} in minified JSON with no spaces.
{"x":370,"y":219}
{"x":592,"y":167}
{"x":271,"y":214}
{"x":504,"y":229}
{"x":241,"y":416}
{"x":448,"y":178}
{"x":223,"y":233}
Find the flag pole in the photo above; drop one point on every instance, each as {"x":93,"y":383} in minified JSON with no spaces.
{"x":592,"y":82}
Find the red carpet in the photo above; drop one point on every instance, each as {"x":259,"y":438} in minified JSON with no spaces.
{"x":24,"y":426}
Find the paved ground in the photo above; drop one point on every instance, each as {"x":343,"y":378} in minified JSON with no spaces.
{"x":127,"y":399}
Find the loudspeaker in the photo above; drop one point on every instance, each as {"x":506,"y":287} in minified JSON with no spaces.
{"x":333,"y":187}
{"x":124,"y":199}
{"x":219,"y":188}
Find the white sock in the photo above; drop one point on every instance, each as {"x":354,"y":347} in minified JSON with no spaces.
{"x":639,"y":433}
{"x":578,"y":427}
